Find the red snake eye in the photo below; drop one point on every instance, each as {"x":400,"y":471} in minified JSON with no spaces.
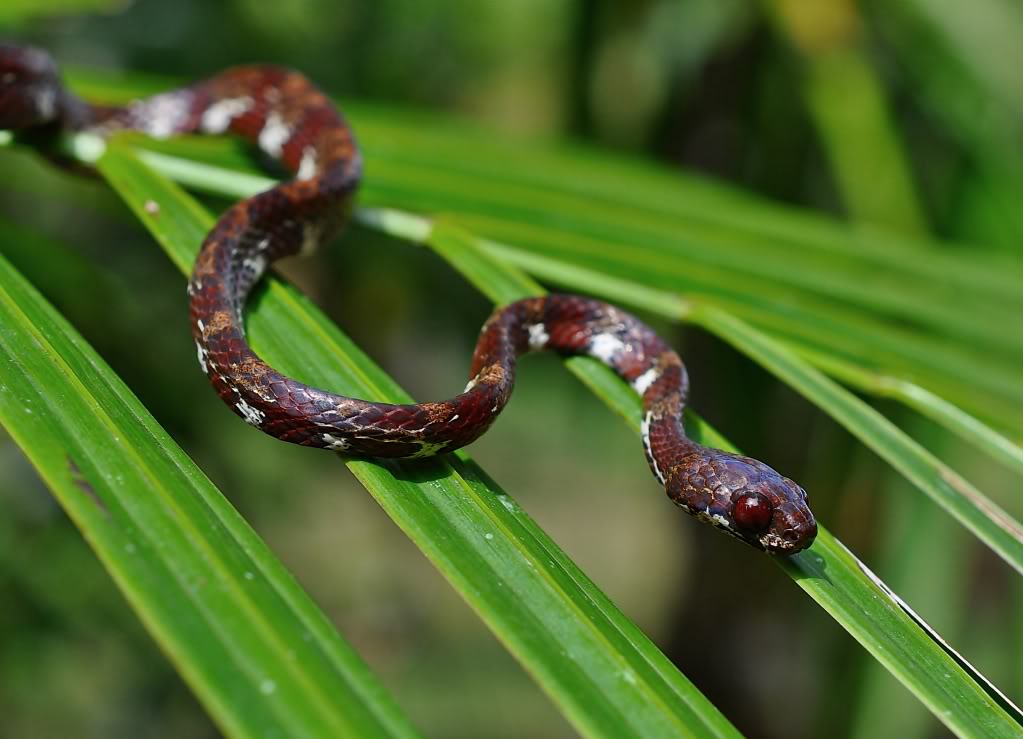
{"x":752,"y":512}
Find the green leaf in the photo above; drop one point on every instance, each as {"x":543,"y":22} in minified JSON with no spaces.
{"x":967,"y":504}
{"x":962,"y":500}
{"x":671,"y":305}
{"x":967,"y":427}
{"x":254,"y":648}
{"x":21,"y":12}
{"x":827,"y":571}
{"x":879,"y":285}
{"x":858,"y":348}
{"x":635,"y":234}
{"x":984,"y":518}
{"x":604,"y":674}
{"x":958,"y":59}
{"x":974,"y":375}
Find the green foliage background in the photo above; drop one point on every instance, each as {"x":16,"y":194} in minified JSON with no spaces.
{"x":898,"y":118}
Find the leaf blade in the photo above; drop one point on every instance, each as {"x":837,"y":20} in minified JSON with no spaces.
{"x":827,"y":571}
{"x":599,"y":672}
{"x":182,"y":556}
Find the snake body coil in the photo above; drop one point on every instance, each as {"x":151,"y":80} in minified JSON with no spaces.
{"x":284,"y":115}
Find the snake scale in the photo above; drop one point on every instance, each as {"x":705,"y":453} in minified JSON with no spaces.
{"x":291,"y":121}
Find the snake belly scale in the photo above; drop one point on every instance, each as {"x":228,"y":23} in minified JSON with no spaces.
{"x":290,"y":120}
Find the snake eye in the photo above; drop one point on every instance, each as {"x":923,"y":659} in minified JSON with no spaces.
{"x":752,"y":512}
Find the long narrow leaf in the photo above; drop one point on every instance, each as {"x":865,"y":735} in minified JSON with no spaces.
{"x":604,"y":673}
{"x":960,"y":498}
{"x":827,"y":571}
{"x":813,"y":328}
{"x":609,"y":181}
{"x":257,"y":652}
{"x":800,"y":330}
{"x":671,"y":305}
{"x":978,"y":513}
{"x":940,"y":483}
{"x":974,"y":377}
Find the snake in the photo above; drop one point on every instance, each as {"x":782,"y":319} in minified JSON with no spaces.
{"x":288,"y":119}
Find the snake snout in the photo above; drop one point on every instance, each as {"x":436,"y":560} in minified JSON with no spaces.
{"x":793,"y":527}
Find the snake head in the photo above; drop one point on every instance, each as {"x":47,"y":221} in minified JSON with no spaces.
{"x":744,"y":498}
{"x":29,"y":88}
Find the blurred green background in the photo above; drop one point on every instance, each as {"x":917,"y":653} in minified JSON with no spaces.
{"x":905,"y":114}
